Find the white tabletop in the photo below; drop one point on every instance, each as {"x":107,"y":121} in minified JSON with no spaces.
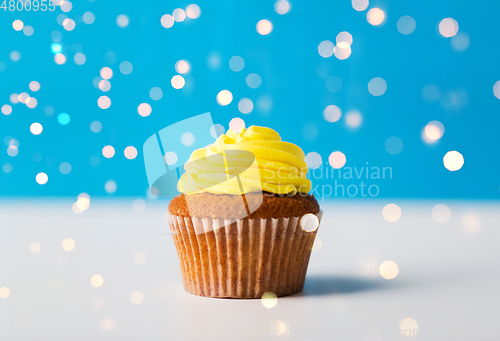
{"x":449,"y":275}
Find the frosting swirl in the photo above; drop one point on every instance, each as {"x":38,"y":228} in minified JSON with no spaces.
{"x":252,"y":160}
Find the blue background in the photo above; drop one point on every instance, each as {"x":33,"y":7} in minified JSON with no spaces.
{"x":293,"y":77}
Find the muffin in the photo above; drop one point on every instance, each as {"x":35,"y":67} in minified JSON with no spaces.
{"x":244,"y":224}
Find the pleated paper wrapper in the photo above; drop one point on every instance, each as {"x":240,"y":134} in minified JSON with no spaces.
{"x":242,"y":258}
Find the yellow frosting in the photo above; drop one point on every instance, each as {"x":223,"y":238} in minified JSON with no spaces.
{"x":257,"y":155}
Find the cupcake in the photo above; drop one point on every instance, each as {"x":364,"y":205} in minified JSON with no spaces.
{"x":244,"y":223}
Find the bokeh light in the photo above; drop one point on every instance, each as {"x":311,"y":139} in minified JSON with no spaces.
{"x":471,"y":223}
{"x":377,"y":86}
{"x":253,"y":80}
{"x":170,"y":158}
{"x":441,"y":213}
{"x":344,"y":39}
{"x":6,"y":109}
{"x":65,"y":6}
{"x":110,"y":186}
{"x":97,"y":281}
{"x":144,"y":109}
{"x":177,"y":82}
{"x":182,"y":66}
{"x":360,"y":5}
{"x":375,"y":16}
{"x":460,"y":42}
{"x":217,"y":130}
{"x":448,"y":27}
{"x":406,"y":25}
{"x":69,"y":24}
{"x":282,"y":7}
{"x":137,"y":298}
{"x":4,"y":292}
{"x":342,"y":51}
{"x":187,"y":138}
{"x":15,"y":56}
{"x":224,"y":97}
{"x":108,"y":152}
{"x":388,"y":269}
{"x":193,"y":11}
{"x":126,"y":67}
{"x":353,"y":119}
{"x":68,"y":244}
{"x":236,"y":124}
{"x":236,"y":63}
{"x":36,"y":128}
{"x":104,"y":85}
{"x":394,"y":145}
{"x":59,"y":58}
{"x":332,"y":113}
{"x":277,"y":328}
{"x":269,"y":299}
{"x":65,"y":168}
{"x":167,"y":21}
{"x":245,"y":105}
{"x":34,"y":86}
{"x":63,"y":118}
{"x":106,"y":73}
{"x":408,"y":327}
{"x":309,"y":222}
{"x":88,"y":18}
{"x":326,"y":48}
{"x":35,"y":247}
{"x":28,"y":30}
{"x":337,"y":160}
{"x":130,"y":152}
{"x":122,"y":20}
{"x":391,"y":213}
{"x":453,"y":160}
{"x":41,"y":178}
{"x":179,"y":14}
{"x":104,"y":102}
{"x":17,"y":25}
{"x":313,"y":160}
{"x":434,"y":130}
{"x":264,"y":27}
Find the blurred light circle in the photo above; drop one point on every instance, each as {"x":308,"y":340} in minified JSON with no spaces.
{"x":408,"y":327}
{"x":35,"y":247}
{"x":332,"y":113}
{"x":65,"y":168}
{"x":264,"y":103}
{"x":388,"y":269}
{"x":360,"y":5}
{"x":104,"y":102}
{"x":63,"y":118}
{"x":277,"y":328}
{"x":342,"y":52}
{"x":406,"y":25}
{"x":170,"y":158}
{"x":394,"y":145}
{"x":36,"y":128}
{"x":6,"y":109}
{"x":12,"y":151}
{"x":104,"y":85}
{"x":177,"y":82}
{"x":453,"y":160}
{"x":187,"y":138}
{"x":182,"y":66}
{"x":4,"y":292}
{"x":179,"y":15}
{"x":245,"y":105}
{"x":28,"y":30}
{"x":69,"y":24}
{"x":344,"y":39}
{"x":88,"y":18}
{"x":496,"y":89}
{"x":333,"y":84}
{"x":236,"y":63}
{"x":106,"y":324}
{"x":460,"y":42}
{"x":106,"y":73}
{"x":108,"y":151}
{"x":264,"y":27}
{"x":15,"y":56}
{"x":110,"y":186}
{"x":353,"y":119}
{"x":66,"y":6}
{"x":434,"y":130}
{"x":79,"y":58}
{"x":17,"y":25}
{"x":391,"y":213}
{"x":97,"y":281}
{"x":325,"y":49}
{"x":122,"y":20}
{"x":95,"y":126}
{"x":281,"y":7}
{"x":167,"y":21}
{"x":34,"y":86}
{"x":68,"y":244}
{"x":313,"y":160}
{"x":137,"y":298}
{"x":138,"y":206}
{"x":224,"y":97}
{"x":431,"y":93}
{"x":130,"y":152}
{"x":337,"y":160}
{"x":59,"y":58}
{"x":126,"y":67}
{"x":441,"y":213}
{"x":253,"y":80}
{"x":236,"y":124}
{"x":193,"y":11}
{"x":217,"y":130}
{"x":448,"y":27}
{"x":56,"y":48}
{"x":156,"y":93}
{"x":23,"y":97}
{"x":56,"y":36}
{"x":7,"y":168}
{"x":31,"y":103}
{"x":375,"y":16}
{"x":377,"y":86}
{"x":41,"y":178}
{"x":140,"y":257}
{"x":471,"y":223}
{"x":269,"y":299}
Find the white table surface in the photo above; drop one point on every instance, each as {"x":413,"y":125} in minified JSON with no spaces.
{"x":448,"y":280}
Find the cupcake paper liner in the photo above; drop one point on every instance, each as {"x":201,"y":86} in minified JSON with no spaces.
{"x":243,"y":258}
